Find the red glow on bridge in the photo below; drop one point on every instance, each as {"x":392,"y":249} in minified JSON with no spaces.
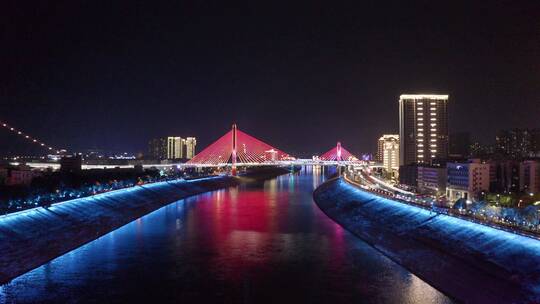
{"x":338,"y":153}
{"x":238,"y":147}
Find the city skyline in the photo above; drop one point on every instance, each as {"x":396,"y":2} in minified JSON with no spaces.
{"x":270,"y":152}
{"x":318,"y":76}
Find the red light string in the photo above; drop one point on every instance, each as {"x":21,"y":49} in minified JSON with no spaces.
{"x":31,"y":139}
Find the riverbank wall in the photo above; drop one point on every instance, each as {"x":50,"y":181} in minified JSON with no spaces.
{"x":33,"y":237}
{"x":470,"y":262}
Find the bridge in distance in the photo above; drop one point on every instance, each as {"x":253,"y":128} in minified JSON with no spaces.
{"x":234,"y":149}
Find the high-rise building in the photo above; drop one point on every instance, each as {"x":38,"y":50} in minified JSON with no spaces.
{"x":432,"y":179}
{"x":191,"y":142}
{"x":423,"y":128}
{"x":529,"y":176}
{"x":460,"y":144}
{"x":535,"y":140}
{"x":467,"y":180}
{"x":167,"y":148}
{"x":175,"y":147}
{"x":518,"y":143}
{"x":380,"y":148}
{"x":478,"y":150}
{"x":504,"y":175}
{"x":71,"y":163}
{"x":157,"y":148}
{"x":388,"y":150}
{"x":408,"y":175}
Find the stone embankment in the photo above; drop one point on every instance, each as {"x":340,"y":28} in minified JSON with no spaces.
{"x":30,"y":238}
{"x":470,"y":262}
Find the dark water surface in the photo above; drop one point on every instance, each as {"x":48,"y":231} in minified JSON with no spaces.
{"x":266,"y":243}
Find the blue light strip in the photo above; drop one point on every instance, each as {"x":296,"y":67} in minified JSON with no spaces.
{"x":38,"y":210}
{"x":491,"y":232}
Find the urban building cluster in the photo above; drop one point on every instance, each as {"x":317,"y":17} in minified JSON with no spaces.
{"x":172,"y":148}
{"x":427,"y":158}
{"x":22,"y":170}
{"x":17,"y":175}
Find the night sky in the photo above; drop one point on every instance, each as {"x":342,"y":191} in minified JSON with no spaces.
{"x":96,"y":74}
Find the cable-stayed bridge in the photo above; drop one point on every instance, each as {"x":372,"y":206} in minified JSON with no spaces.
{"x":234,"y":149}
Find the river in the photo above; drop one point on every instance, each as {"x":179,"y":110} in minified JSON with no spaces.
{"x":264,"y":243}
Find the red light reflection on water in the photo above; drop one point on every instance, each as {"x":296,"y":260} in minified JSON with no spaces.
{"x":254,"y":229}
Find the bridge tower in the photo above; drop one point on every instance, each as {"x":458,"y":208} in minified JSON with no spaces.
{"x":236,"y":148}
{"x":233,"y":152}
{"x":338,"y":151}
{"x":339,"y":158}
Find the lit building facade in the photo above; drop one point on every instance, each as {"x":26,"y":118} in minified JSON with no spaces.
{"x":167,"y":148}
{"x":191,"y":143}
{"x":20,"y":175}
{"x":505,"y":175}
{"x":432,"y":179}
{"x":388,"y":146}
{"x":467,"y":180}
{"x":423,"y":128}
{"x":518,"y":143}
{"x":529,"y":176}
{"x":175,"y":147}
{"x":380,"y":150}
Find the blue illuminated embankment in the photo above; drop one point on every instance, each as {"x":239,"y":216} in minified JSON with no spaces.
{"x":468,"y":261}
{"x":32,"y":237}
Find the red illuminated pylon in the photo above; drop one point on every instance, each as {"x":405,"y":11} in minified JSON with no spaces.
{"x":233,"y":154}
{"x":338,"y":153}
{"x":238,"y":147}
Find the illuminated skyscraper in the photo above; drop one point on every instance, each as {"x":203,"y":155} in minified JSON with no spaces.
{"x":175,"y":147}
{"x":191,"y":142}
{"x":423,"y":128}
{"x":167,"y":148}
{"x":388,"y":150}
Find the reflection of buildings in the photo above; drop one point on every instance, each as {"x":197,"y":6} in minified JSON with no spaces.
{"x":423,"y":128}
{"x":317,"y":178}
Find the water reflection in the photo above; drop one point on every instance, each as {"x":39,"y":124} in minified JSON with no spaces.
{"x":262,"y":243}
